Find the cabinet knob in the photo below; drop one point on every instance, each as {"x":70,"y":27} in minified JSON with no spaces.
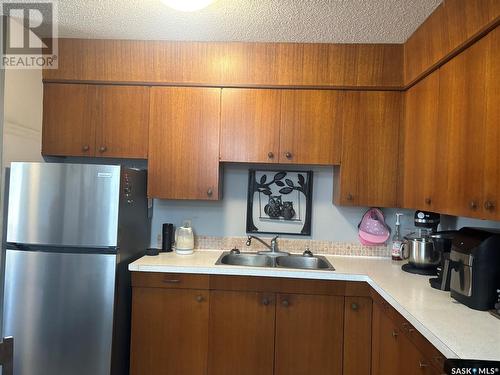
{"x":288,"y":155}
{"x":395,"y":333}
{"x":209,"y":192}
{"x":285,"y":303}
{"x":199,"y":298}
{"x":422,"y":364}
{"x":265,"y":301}
{"x":85,"y":148}
{"x":270,"y":155}
{"x":102,"y":149}
{"x":428,"y":200}
{"x":350,"y":197}
{"x":354,"y":306}
{"x":473,"y":205}
{"x":489,"y":205}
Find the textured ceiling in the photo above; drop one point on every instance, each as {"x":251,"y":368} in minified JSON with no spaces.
{"x":335,"y":21}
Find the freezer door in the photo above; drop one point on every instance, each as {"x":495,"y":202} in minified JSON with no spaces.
{"x":59,"y":309}
{"x":63,"y":204}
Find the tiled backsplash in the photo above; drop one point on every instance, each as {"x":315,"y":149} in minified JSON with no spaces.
{"x":293,"y":245}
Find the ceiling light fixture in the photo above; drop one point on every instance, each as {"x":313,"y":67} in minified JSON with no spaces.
{"x":187,"y":5}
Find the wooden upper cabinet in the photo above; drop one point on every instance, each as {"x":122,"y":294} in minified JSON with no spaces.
{"x":241,"y":333}
{"x":95,"y":120}
{"x":169,"y":331}
{"x":311,"y":131}
{"x":491,"y":193}
{"x":184,"y":143}
{"x":122,"y":128}
{"x":250,"y":125}
{"x":462,"y":132}
{"x":369,"y":168}
{"x":309,"y":334}
{"x":357,"y":335}
{"x":68,"y":126}
{"x":421,"y":145}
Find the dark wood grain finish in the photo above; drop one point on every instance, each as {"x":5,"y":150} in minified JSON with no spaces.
{"x":184,"y":143}
{"x":491,"y":192}
{"x":241,"y":333}
{"x":230,"y":64}
{"x":446,"y":32}
{"x":122,"y":128}
{"x":170,"y":280}
{"x":422,"y":175}
{"x":315,"y":321}
{"x":357,"y":335}
{"x":462,"y":120}
{"x":169,"y":332}
{"x":368,"y":174}
{"x":250,"y":125}
{"x":69,"y":120}
{"x":277,"y":284}
{"x":311,"y":128}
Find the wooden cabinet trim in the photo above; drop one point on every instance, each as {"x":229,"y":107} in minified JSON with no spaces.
{"x":170,"y":280}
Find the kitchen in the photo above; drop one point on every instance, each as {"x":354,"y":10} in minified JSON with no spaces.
{"x":223,"y":190}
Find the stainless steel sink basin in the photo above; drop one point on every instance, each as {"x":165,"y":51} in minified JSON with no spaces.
{"x":304,"y":262}
{"x":311,"y":262}
{"x":246,"y":259}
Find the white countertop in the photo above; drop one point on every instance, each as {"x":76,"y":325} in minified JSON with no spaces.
{"x":454,"y":329}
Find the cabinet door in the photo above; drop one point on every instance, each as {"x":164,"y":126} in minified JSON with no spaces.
{"x":169,"y":331}
{"x":370,"y":149}
{"x":122,"y":128}
{"x":250,"y":125}
{"x":68,"y":120}
{"x":385,"y":344}
{"x":421,"y":145}
{"x":412,"y":361}
{"x":309,"y":334}
{"x":357,"y":335}
{"x":311,"y":132}
{"x":183,"y":158}
{"x":241,"y":333}
{"x":491,"y":192}
{"x":461,"y":135}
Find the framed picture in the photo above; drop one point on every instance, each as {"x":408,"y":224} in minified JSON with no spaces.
{"x":279,"y":202}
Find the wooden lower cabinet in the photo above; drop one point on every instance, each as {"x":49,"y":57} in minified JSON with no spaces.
{"x":224,"y":325}
{"x":169,"y":331}
{"x":357,"y":335}
{"x":393,"y":353}
{"x":241,"y":333}
{"x":309,"y":334}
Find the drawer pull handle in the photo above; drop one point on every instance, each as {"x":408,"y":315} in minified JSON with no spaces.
{"x":395,"y":333}
{"x":171,"y":281}
{"x":422,"y":364}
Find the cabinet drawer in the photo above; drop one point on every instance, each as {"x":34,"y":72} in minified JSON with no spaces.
{"x":169,"y":280}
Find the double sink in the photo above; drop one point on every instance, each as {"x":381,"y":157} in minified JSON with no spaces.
{"x":284,"y":260}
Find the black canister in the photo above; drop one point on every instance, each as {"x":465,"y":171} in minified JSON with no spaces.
{"x":167,"y":237}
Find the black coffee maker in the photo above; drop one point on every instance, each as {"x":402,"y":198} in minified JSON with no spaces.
{"x":442,"y":243}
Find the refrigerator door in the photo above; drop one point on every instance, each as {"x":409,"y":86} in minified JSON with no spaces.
{"x":59,"y":309}
{"x":63,"y":204}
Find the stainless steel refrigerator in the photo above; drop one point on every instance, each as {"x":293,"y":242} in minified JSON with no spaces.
{"x":71,"y":230}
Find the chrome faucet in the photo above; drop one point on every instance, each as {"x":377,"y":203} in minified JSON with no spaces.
{"x":273,"y":246}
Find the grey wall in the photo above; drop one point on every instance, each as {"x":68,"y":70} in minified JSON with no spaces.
{"x":228,"y":217}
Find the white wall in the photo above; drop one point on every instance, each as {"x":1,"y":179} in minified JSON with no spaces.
{"x":23,"y":100}
{"x":228,"y":217}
